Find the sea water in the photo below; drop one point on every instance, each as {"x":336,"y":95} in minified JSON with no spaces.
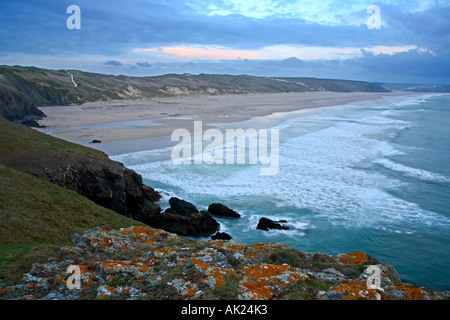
{"x":370,"y":176}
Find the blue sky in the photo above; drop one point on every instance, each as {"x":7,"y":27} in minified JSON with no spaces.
{"x":327,"y":39}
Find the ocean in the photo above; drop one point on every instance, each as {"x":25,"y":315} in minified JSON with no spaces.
{"x":370,"y":176}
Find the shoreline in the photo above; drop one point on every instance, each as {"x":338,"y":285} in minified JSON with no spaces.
{"x":135,"y":145}
{"x":133,"y":126}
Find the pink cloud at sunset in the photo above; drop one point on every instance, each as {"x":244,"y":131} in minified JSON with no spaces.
{"x":203,"y":53}
{"x":197,"y":52}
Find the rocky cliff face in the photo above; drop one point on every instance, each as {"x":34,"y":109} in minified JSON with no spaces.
{"x":105,"y":182}
{"x":87,"y":172}
{"x":16,"y":106}
{"x":93,"y":175}
{"x":144,"y":263}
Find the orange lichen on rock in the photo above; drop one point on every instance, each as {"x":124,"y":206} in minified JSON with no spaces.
{"x":259,"y":250}
{"x":107,"y":242}
{"x":354,"y":258}
{"x":165,"y":252}
{"x":143,"y":265}
{"x":114,"y":265}
{"x":141,"y":234}
{"x":3,"y":290}
{"x":107,"y":291}
{"x":190,"y":292}
{"x":227,"y":246}
{"x":355,"y":290}
{"x":262,"y":281}
{"x":137,"y":267}
{"x":214,"y":276}
{"x":185,"y":288}
{"x":160,"y":264}
{"x":124,"y":239}
{"x":136,"y":231}
{"x":413,"y":293}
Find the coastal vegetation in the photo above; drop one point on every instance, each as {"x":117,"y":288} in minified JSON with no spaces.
{"x":63,"y":204}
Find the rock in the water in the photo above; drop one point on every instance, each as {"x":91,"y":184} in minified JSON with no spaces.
{"x":222,"y":210}
{"x":182,"y":207}
{"x":267,"y":224}
{"x":184,"y":218}
{"x":221,"y":236}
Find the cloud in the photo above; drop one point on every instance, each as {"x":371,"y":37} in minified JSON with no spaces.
{"x":282,"y":51}
{"x":324,"y":12}
{"x":114,"y":63}
{"x":143,"y":64}
{"x":264,"y":34}
{"x":195,"y":52}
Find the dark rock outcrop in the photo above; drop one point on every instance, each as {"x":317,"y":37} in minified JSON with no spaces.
{"x":185,"y":219}
{"x":181,"y":207}
{"x":268,"y":224}
{"x":222,"y":210}
{"x":89,"y":173}
{"x":16,"y":106}
{"x":105,"y":182}
{"x":221,"y":236}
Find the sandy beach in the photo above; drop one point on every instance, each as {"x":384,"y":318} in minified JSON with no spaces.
{"x":129,"y":126}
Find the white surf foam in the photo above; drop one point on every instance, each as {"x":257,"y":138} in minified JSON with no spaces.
{"x":324,"y":168}
{"x":412,"y":172}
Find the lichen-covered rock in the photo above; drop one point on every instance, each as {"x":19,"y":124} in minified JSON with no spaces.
{"x":263,"y":281}
{"x":146,"y":263}
{"x":356,"y":289}
{"x":352,"y":259}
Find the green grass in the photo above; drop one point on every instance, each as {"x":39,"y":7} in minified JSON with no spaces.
{"x":94,"y":86}
{"x":37,"y":216}
{"x":307,"y":289}
{"x":19,"y":141}
{"x":280,"y":256}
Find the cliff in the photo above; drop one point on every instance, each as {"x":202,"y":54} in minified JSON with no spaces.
{"x":83,"y":170}
{"x":144,"y":263}
{"x":17,"y":106}
{"x":37,"y":216}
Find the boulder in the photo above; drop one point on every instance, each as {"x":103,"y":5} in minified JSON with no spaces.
{"x":222,"y":210}
{"x":183,"y":218}
{"x":221,"y":236}
{"x":268,"y":224}
{"x":182,"y":207}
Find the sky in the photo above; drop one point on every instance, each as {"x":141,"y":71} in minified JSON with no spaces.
{"x":405,"y":41}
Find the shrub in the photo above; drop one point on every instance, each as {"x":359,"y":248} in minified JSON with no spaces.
{"x":289,"y":256}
